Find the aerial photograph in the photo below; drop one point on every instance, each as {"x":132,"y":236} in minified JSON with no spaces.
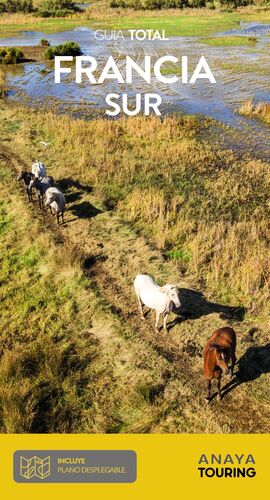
{"x":134,"y":217}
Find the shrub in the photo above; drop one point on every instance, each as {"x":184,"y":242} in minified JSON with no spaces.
{"x":11,"y":55}
{"x":136,"y":4}
{"x":153,"y":4}
{"x":175,"y":4}
{"x":12,"y":6}
{"x":115,"y":4}
{"x":44,"y":42}
{"x":196,"y":3}
{"x":58,"y":8}
{"x":235,"y":3}
{"x":65,"y":49}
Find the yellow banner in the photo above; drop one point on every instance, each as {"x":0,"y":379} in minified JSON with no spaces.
{"x":168,"y":466}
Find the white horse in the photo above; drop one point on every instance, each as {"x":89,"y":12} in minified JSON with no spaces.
{"x":39,"y":170}
{"x":55,"y":199}
{"x":160,"y":298}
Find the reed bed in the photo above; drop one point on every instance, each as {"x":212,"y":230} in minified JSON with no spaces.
{"x":261,"y":110}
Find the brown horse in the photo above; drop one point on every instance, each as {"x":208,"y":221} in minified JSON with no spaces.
{"x":218,"y":352}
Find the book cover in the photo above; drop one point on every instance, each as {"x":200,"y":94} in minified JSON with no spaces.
{"x":134,"y":248}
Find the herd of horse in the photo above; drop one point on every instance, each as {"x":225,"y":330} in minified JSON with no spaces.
{"x":219,"y":351}
{"x":43,"y":184}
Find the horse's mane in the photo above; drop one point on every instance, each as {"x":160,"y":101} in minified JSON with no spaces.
{"x":217,"y":346}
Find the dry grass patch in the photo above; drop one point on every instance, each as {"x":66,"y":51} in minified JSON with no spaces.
{"x":261,"y":110}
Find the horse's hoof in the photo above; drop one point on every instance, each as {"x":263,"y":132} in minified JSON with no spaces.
{"x":143,"y":318}
{"x":207,"y":400}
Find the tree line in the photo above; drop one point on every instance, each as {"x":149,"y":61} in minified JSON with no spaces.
{"x":49,"y":8}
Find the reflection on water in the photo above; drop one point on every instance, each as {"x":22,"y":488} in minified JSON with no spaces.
{"x":240,"y":73}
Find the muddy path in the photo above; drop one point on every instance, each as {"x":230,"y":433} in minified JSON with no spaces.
{"x":17,"y":164}
{"x":114,"y":254}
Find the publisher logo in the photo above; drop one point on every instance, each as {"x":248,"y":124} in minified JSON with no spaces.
{"x":75,"y":466}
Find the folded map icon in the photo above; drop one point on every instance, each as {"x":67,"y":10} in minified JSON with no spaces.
{"x":35,"y":467}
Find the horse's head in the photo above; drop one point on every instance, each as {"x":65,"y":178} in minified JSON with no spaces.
{"x":172,"y":292}
{"x":221,"y":358}
{"x":25,"y":176}
{"x":50,"y":198}
{"x":21,"y":175}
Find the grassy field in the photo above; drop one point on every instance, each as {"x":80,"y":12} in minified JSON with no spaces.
{"x":75,"y":355}
{"x":187,"y":22}
{"x":229,"y":41}
{"x":59,"y":340}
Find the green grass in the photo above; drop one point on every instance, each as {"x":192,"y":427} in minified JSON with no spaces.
{"x":169,"y":69}
{"x":181,"y":24}
{"x":178,"y":255}
{"x":45,"y":26}
{"x":4,"y":218}
{"x":175,"y":23}
{"x":228,"y":41}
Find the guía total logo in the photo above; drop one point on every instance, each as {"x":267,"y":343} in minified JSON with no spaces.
{"x":35,"y":467}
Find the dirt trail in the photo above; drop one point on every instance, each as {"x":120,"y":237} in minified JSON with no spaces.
{"x":114,"y":255}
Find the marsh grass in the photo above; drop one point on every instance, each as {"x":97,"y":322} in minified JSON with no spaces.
{"x":69,"y":361}
{"x":180,"y":192}
{"x":3,"y":88}
{"x":65,"y":365}
{"x":261,"y":110}
{"x":11,"y":55}
{"x":229,"y":41}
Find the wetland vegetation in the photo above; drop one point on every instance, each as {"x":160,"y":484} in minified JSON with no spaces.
{"x":48,"y":8}
{"x":143,"y":195}
{"x":64,"y":49}
{"x":175,"y":22}
{"x":229,"y":41}
{"x":11,"y":55}
{"x":261,"y":110}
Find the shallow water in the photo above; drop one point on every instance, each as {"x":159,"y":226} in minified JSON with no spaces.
{"x":83,"y":6}
{"x":254,"y":29}
{"x":240,"y":72}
